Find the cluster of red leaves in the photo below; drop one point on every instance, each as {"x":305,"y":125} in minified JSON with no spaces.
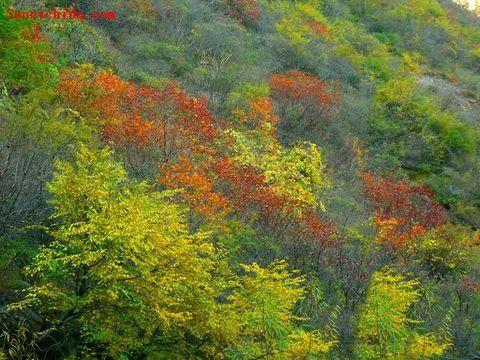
{"x":296,"y":87}
{"x":35,"y":35}
{"x":138,"y":116}
{"x":246,"y":187}
{"x":249,"y":193}
{"x":246,"y":11}
{"x":259,"y":114}
{"x":218,"y":185}
{"x":402,"y":211}
{"x":197,"y":188}
{"x":317,"y":28}
{"x":261,"y":111}
{"x":315,"y":229}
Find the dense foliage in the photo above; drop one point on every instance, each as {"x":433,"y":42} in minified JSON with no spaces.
{"x":240,"y":179}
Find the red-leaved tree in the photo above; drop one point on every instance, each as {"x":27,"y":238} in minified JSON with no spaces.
{"x":401,"y":210}
{"x":309,"y":96}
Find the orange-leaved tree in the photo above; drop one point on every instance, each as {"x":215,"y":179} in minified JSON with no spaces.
{"x":137,"y":116}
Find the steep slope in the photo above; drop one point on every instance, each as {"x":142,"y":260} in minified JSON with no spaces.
{"x":240,"y":179}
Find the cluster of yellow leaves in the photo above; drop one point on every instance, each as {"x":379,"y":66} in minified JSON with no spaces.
{"x":445,"y":248}
{"x":266,"y":300}
{"x":301,"y":23}
{"x":308,"y":345}
{"x":298,"y":173}
{"x":398,"y":91}
{"x":384,"y":330}
{"x":410,"y":63}
{"x":425,"y":347}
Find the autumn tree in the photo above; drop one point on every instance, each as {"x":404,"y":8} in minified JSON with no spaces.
{"x":385,"y":331}
{"x":123,"y":275}
{"x":253,"y":170}
{"x":445,"y":249}
{"x":27,"y":152}
{"x":402,"y":210}
{"x":295,"y":174}
{"x":304,"y":101}
{"x":281,"y":188}
{"x":146,"y":124}
{"x":265,"y":299}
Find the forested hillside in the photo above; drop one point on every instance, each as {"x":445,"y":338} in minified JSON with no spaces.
{"x":240,"y":179}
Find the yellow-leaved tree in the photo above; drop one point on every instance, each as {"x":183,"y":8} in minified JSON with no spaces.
{"x":268,"y":328}
{"x":123,"y":275}
{"x":385,"y":331}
